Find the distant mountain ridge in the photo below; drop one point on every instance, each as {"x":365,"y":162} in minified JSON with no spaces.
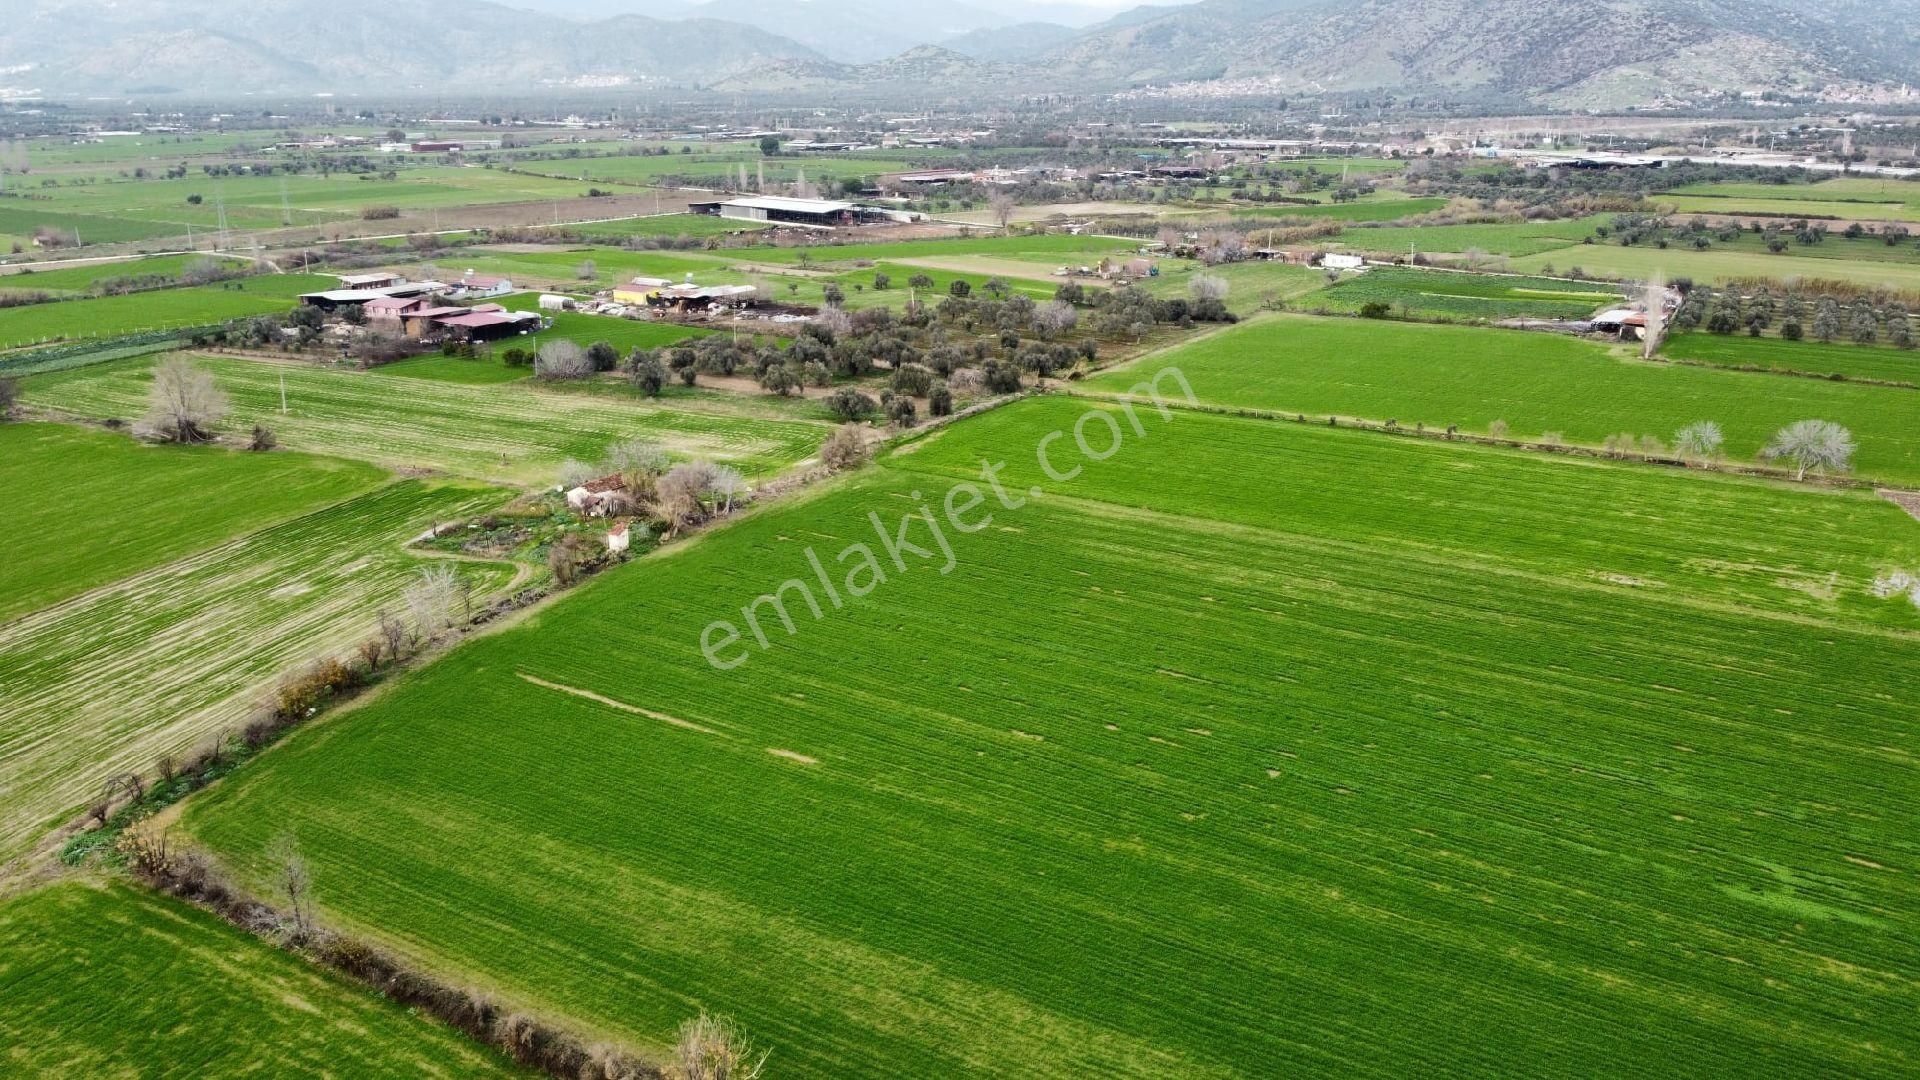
{"x":223,"y":47}
{"x":1545,"y":53}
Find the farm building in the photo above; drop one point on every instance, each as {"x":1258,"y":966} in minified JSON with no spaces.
{"x":640,"y":290}
{"x":474,"y":284}
{"x":333,"y":299}
{"x":378,"y":280}
{"x":596,"y":497}
{"x":488,"y":322}
{"x":818,"y":213}
{"x":1336,"y":261}
{"x":555,"y":302}
{"x":702,"y":297}
{"x":619,"y":539}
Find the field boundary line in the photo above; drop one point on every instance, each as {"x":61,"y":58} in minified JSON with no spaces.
{"x":611,"y":703}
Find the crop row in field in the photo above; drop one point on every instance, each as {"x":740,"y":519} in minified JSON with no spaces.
{"x":1463,"y":296}
{"x":107,"y":980}
{"x":1841,"y":197}
{"x":1470,"y":376}
{"x":68,"y":487}
{"x":157,"y":660}
{"x":516,"y":431}
{"x":1811,"y":357}
{"x":1172,"y":752}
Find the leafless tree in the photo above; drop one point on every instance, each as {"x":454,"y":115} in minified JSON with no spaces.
{"x":716,"y":1048}
{"x":1207,"y":287}
{"x":562,"y":359}
{"x":1817,"y":446}
{"x":574,"y":472}
{"x":1656,"y":315}
{"x":294,"y":879}
{"x":183,"y":404}
{"x":845,"y":449}
{"x":587,"y":270}
{"x":1055,"y":317}
{"x":727,"y":482}
{"x":1497,"y":429}
{"x":433,"y":599}
{"x":394,"y":632}
{"x":835,"y":320}
{"x":637,"y":456}
{"x":1699,"y":442}
{"x":1169,"y":237}
{"x":678,"y":495}
{"x":1001,"y":206}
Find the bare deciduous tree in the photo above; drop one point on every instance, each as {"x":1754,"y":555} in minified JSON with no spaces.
{"x":183,"y":404}
{"x":433,"y":599}
{"x":845,"y":449}
{"x":716,"y":1048}
{"x":1207,"y":287}
{"x":1699,"y":442}
{"x":1055,"y":317}
{"x":1817,"y":446}
{"x":562,"y":360}
{"x":677,"y":496}
{"x":1000,"y":205}
{"x":294,"y":880}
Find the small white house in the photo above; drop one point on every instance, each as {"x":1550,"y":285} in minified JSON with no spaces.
{"x":1337,"y":261}
{"x":619,"y":538}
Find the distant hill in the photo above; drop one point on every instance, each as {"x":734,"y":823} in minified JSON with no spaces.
{"x":1022,"y":41}
{"x":217,"y":47}
{"x":1571,"y":53}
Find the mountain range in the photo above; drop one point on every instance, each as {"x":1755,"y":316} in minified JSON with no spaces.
{"x":1553,"y":53}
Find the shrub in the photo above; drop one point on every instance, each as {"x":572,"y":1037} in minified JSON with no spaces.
{"x":940,"y":401}
{"x":849,"y":404}
{"x":379,"y":213}
{"x":845,"y":449}
{"x":900,"y":411}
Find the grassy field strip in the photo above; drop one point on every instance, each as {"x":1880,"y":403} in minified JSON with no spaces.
{"x":1846,"y":210}
{"x":156,"y":661}
{"x":109,"y":316}
{"x":108,"y":980}
{"x":69,"y":490}
{"x":79,"y":279}
{"x":1854,"y":361}
{"x":1450,"y":295}
{"x":1714,"y":266}
{"x":1166,"y":758}
{"x":515,"y":431}
{"x":1527,"y":238}
{"x":1441,"y":375}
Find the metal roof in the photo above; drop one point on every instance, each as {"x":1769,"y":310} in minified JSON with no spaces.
{"x":796,"y":206}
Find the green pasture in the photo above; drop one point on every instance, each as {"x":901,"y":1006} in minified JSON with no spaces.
{"x":518,"y":432}
{"x":92,"y":506}
{"x":105,"y":979}
{"x":1574,"y":761}
{"x":1470,"y":376}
